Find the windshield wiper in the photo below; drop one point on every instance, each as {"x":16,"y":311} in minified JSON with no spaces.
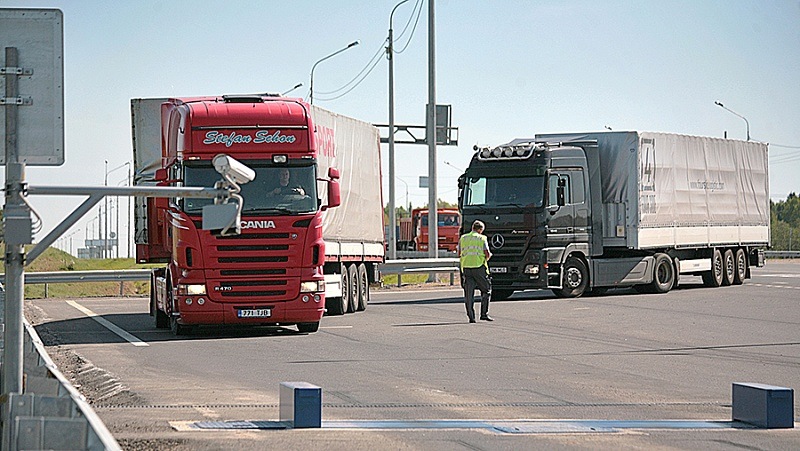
{"x":278,"y":210}
{"x":511,"y":204}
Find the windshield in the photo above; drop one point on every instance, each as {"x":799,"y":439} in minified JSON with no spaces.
{"x":275,"y":190}
{"x":496,"y":191}
{"x":443,"y":219}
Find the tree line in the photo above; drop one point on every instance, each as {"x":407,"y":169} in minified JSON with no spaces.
{"x":785,"y":222}
{"x":784,"y":214}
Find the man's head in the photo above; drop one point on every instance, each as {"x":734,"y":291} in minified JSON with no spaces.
{"x":283,"y":176}
{"x":477,"y":226}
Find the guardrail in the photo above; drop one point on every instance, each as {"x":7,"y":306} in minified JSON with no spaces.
{"x":51,"y":413}
{"x":420,"y":265}
{"x":782,"y":254}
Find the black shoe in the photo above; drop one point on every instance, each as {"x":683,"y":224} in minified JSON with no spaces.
{"x":486,"y":318}
{"x":472,"y":320}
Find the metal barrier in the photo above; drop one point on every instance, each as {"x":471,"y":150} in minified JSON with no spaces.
{"x":420,"y":265}
{"x":51,"y":413}
{"x":782,"y":254}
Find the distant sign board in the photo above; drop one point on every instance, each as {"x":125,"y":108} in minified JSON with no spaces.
{"x":38,"y":37}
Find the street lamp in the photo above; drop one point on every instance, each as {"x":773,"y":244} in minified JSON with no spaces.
{"x":406,"y":184}
{"x":350,"y":45}
{"x":105,"y":183}
{"x":735,"y":114}
{"x":295,"y":87}
{"x":392,"y":213}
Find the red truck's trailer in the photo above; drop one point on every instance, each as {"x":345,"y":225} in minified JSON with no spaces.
{"x":295,"y":255}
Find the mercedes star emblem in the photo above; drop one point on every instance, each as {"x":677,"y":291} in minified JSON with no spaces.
{"x":498,"y":241}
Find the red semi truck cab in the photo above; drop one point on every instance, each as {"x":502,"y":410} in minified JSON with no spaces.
{"x":414,"y":230}
{"x":270,"y":273}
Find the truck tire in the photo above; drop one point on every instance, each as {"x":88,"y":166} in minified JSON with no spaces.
{"x":663,"y":274}
{"x":363,"y":287}
{"x":499,"y":295}
{"x":338,"y":306}
{"x":741,"y":267}
{"x":714,"y":277}
{"x":162,"y":320}
{"x":729,"y":266}
{"x":352,"y":293}
{"x":178,"y":329}
{"x":308,"y":328}
{"x":575,"y":279}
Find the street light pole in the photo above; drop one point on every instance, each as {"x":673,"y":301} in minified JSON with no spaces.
{"x":433,"y":233}
{"x":283,"y":94}
{"x":735,"y":114}
{"x":350,"y":45}
{"x":105,"y":228}
{"x":392,"y":213}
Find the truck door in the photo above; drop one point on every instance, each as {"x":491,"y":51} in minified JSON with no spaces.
{"x":561,"y":226}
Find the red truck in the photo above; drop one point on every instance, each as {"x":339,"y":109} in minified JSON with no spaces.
{"x":296,"y":256}
{"x":413,"y":234}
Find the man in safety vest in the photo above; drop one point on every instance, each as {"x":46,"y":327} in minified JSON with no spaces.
{"x":473,"y":249}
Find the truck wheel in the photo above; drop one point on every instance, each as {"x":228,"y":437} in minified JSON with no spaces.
{"x":162,"y":320}
{"x":576,"y":279}
{"x":741,"y":267}
{"x":499,"y":295}
{"x":714,"y":277}
{"x":308,"y":328}
{"x":663,"y":274}
{"x":729,"y":267}
{"x":178,"y":329}
{"x":338,"y":306}
{"x":363,"y":287}
{"x":352,"y":292}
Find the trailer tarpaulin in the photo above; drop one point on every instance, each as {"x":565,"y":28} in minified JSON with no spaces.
{"x":353,"y":147}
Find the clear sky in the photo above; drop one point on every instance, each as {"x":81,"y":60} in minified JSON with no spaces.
{"x":509,"y":69}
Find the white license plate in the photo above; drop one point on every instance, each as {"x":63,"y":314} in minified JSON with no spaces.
{"x":498,"y":269}
{"x":254,"y":313}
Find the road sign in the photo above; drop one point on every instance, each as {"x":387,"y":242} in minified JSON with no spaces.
{"x":37,"y":34}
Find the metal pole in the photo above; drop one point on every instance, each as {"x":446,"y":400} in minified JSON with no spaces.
{"x":15,"y":252}
{"x":392,"y":211}
{"x":350,"y":45}
{"x":117,"y":226}
{"x":128,"y":234}
{"x":105,"y":225}
{"x":433,"y":235}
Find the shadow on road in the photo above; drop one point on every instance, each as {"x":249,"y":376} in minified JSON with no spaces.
{"x":88,"y":331}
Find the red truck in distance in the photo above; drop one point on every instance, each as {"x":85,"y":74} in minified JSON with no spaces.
{"x":311,"y":221}
{"x":413,"y":234}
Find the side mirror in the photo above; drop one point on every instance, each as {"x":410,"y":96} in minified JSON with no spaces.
{"x":334,"y":192}
{"x":561,"y":198}
{"x":333,"y":173}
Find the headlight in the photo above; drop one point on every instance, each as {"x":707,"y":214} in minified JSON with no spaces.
{"x":312,"y":287}
{"x":191,"y":290}
{"x":531,"y":269}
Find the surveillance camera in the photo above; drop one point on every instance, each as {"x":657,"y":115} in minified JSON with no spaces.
{"x":233,"y":169}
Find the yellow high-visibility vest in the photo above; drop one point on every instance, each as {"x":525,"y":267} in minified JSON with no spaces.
{"x":472,"y":247}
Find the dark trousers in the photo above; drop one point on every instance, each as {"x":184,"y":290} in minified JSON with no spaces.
{"x":477,"y":278}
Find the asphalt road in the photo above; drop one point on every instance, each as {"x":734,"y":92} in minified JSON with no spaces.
{"x":412,"y":356}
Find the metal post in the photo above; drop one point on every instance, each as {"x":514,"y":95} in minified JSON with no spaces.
{"x":128,"y":235}
{"x":15,"y":252}
{"x":392,"y":213}
{"x":105,"y":225}
{"x":392,"y":210}
{"x":433,"y":220}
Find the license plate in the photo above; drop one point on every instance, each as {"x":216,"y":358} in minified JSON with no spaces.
{"x":498,"y":270}
{"x":254,"y":313}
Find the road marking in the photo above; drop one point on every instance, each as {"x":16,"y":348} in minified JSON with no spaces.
{"x":108,"y":325}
